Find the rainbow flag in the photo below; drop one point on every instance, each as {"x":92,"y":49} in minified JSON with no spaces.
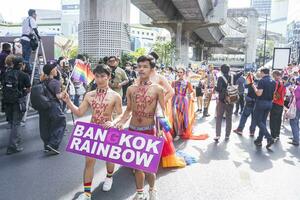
{"x":82,"y":72}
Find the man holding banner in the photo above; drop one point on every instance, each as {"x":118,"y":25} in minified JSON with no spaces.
{"x":142,"y":100}
{"x":103,"y":102}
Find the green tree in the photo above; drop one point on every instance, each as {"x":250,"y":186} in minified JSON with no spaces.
{"x":166,"y":51}
{"x":269,"y":51}
{"x":73,"y":52}
{"x":126,"y":57}
{"x":137,"y":53}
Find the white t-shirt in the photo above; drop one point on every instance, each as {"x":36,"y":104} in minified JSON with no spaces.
{"x":28,"y":29}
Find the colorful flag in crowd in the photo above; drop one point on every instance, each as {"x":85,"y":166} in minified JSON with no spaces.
{"x":82,"y":72}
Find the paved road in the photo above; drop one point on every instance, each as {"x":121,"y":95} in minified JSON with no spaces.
{"x":232,"y":170}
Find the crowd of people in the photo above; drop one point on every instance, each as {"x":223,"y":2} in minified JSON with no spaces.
{"x":150,"y":94}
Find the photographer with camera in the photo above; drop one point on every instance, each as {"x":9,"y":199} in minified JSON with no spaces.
{"x":30,"y":38}
{"x":118,"y":75}
{"x":16,"y":86}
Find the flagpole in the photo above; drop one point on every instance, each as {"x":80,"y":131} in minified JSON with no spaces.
{"x":70,"y":78}
{"x":66,"y":90}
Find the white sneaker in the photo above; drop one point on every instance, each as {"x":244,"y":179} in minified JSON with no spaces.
{"x":138,"y":196}
{"x":153,"y":195}
{"x":83,"y":197}
{"x":107,"y":184}
{"x":176,"y":138}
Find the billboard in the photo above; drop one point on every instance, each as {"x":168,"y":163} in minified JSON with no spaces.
{"x":281,"y":58}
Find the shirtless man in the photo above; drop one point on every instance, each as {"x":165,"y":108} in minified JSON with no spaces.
{"x":103,"y":102}
{"x":142,"y":100}
{"x":156,"y":78}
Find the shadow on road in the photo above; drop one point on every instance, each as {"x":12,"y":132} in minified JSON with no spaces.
{"x":214,"y":151}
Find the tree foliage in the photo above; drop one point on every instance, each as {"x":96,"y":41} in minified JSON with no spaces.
{"x":166,"y":51}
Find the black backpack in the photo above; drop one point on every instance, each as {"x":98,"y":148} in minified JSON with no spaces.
{"x":38,"y":97}
{"x":11,"y":92}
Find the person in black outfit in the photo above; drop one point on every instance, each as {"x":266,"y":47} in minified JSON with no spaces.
{"x":199,"y":95}
{"x":13,"y":110}
{"x":248,"y":110}
{"x":131,"y":77}
{"x":263,"y":105}
{"x":6,"y":50}
{"x":52,"y":121}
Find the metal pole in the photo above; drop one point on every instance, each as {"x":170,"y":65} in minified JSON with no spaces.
{"x":31,"y":80}
{"x":265,"y":43}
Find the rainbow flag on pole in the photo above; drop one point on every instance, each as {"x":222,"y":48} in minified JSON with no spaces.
{"x":82,"y":72}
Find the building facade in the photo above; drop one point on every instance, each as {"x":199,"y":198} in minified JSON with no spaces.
{"x":263,"y":7}
{"x":100,"y":33}
{"x":293,"y":38}
{"x":279,"y":17}
{"x":70,"y":17}
{"x":293,"y":30}
{"x":49,"y":24}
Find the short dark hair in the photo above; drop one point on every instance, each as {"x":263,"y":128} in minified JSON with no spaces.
{"x":265,"y":70}
{"x":102,"y":68}
{"x":81,"y":57}
{"x":276,"y":73}
{"x":225,"y":68}
{"x":17,"y":62}
{"x":110,"y":57}
{"x":155,"y":55}
{"x":105,"y":59}
{"x":6,"y":46}
{"x":31,"y":12}
{"x":147,"y":58}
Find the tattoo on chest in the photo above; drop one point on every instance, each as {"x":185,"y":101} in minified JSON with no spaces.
{"x":142,"y":100}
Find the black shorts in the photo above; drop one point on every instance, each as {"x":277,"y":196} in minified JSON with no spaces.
{"x":199,"y":92}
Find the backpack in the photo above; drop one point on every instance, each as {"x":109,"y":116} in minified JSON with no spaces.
{"x":232,"y":92}
{"x":39,"y":99}
{"x":291,"y":113}
{"x":11,"y":92}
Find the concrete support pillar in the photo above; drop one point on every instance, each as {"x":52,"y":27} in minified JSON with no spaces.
{"x":182,"y":41}
{"x":178,"y":43}
{"x":101,"y":32}
{"x":252,"y":28}
{"x":185,"y":42}
{"x":198,"y":53}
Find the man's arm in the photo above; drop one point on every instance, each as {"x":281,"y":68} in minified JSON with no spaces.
{"x":78,"y":111}
{"x":117,"y":112}
{"x":191,"y":91}
{"x":118,"y":105}
{"x":34,"y":27}
{"x":219,"y":84}
{"x":161,"y":99}
{"x":127,"y":114}
{"x":258,"y":90}
{"x":27,"y":83}
{"x":169,"y":92}
{"x":125,"y":79}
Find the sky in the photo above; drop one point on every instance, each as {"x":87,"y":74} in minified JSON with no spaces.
{"x":13,"y":13}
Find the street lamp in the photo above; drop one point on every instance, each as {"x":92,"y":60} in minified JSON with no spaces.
{"x":265,"y":42}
